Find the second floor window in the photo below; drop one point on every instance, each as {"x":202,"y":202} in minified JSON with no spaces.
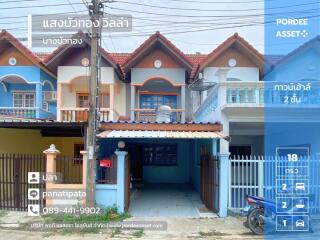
{"x":154,"y":101}
{"x":105,"y":102}
{"x":22,"y":100}
{"x":83,"y":100}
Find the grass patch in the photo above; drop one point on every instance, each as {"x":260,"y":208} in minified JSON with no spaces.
{"x":212,"y":233}
{"x":3,"y":213}
{"x":138,"y":233}
{"x":115,"y":232}
{"x":47,"y":234}
{"x":109,"y":215}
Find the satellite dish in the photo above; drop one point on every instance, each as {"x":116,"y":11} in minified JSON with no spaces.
{"x":201,"y":84}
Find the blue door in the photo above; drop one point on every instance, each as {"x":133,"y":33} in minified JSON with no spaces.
{"x":149,"y":101}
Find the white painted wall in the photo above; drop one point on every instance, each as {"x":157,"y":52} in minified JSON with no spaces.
{"x":248,"y":74}
{"x":68,"y":73}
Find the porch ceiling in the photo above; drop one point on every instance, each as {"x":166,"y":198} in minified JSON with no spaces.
{"x":159,"y":134}
{"x":47,"y":128}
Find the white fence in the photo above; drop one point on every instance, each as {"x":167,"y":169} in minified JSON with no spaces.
{"x":256,"y":175}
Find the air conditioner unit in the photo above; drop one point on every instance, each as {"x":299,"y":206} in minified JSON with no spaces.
{"x":54,"y":96}
{"x":50,"y":96}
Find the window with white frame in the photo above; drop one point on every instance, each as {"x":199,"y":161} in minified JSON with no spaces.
{"x":24,"y":99}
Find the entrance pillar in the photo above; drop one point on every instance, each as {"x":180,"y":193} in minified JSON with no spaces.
{"x":183,"y":104}
{"x":133,"y":104}
{"x":224,"y":184}
{"x":51,"y":154}
{"x":121,"y":164}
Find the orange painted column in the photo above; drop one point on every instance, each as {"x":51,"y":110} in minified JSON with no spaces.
{"x":84,"y":172}
{"x":111,"y":89}
{"x":51,"y":154}
{"x":84,"y":166}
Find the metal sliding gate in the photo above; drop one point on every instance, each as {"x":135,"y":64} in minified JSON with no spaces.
{"x":209,"y":191}
{"x":14,"y":185}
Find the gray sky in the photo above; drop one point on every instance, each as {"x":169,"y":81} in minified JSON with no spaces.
{"x":199,"y":29}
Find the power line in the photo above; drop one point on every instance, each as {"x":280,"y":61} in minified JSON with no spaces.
{"x":71,"y":4}
{"x":207,"y":29}
{"x":210,"y":16}
{"x":39,"y":6}
{"x":214,"y":10}
{"x":51,"y":14}
{"x":214,"y":2}
{"x":18,"y":1}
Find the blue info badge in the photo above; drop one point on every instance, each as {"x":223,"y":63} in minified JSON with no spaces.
{"x":292,"y":119}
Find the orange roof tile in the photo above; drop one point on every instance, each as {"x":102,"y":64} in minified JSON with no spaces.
{"x":106,"y":55}
{"x":147,"y":43}
{"x":42,"y":55}
{"x":195,"y":62}
{"x":120,"y":58}
{"x":24,"y":50}
{"x":222,"y":47}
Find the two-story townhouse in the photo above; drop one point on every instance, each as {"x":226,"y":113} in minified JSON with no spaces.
{"x":292,"y":102}
{"x":28,"y":88}
{"x":165,"y":149}
{"x":234,"y":71}
{"x":71,"y":64}
{"x":158,"y":74}
{"x":168,"y":157}
{"x":268,"y":107}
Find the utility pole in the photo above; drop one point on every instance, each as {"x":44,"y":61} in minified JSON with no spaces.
{"x":95,"y":11}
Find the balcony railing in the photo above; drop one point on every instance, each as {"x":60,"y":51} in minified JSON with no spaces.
{"x":149,"y":115}
{"x":19,"y":112}
{"x":256,"y":95}
{"x":82,"y":114}
{"x":245,"y":95}
{"x":270,"y":97}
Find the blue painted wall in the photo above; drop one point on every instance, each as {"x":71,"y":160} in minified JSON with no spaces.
{"x":195,"y":164}
{"x":195,"y":151}
{"x":159,"y":174}
{"x":106,"y":195}
{"x":31,"y":74}
{"x":171,"y":174}
{"x":187,"y":170}
{"x":34,"y":77}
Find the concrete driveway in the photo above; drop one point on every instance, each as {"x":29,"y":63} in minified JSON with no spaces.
{"x":165,"y":200}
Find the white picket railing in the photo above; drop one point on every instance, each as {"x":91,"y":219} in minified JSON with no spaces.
{"x":256,"y":175}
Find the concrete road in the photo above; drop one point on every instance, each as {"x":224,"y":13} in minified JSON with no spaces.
{"x":178,"y":228}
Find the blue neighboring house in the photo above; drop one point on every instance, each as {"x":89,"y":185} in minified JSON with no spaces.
{"x":27,"y":87}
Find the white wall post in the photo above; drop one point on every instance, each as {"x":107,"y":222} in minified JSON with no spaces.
{"x":183,"y":103}
{"x":224,"y":184}
{"x":260,"y":176}
{"x":121,"y":178}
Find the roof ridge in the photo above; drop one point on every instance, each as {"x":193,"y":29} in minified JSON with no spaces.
{"x":154,"y":37}
{"x":25,"y":50}
{"x":229,"y":40}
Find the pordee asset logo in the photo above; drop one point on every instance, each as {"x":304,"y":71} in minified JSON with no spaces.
{"x":292,"y":34}
{"x":290,"y":22}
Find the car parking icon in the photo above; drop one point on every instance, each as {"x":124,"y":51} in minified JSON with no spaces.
{"x":300,"y":223}
{"x":300,"y":186}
